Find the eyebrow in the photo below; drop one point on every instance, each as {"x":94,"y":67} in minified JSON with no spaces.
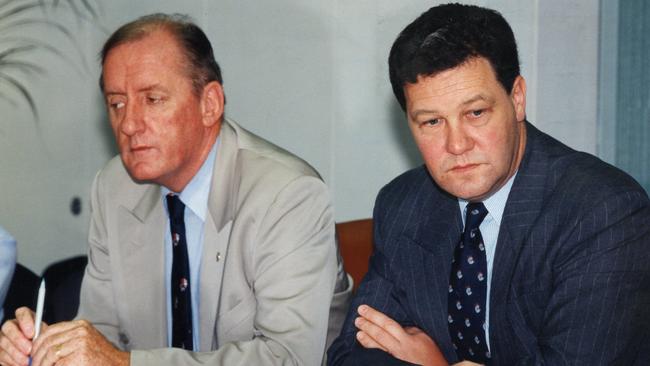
{"x":140,"y":90}
{"x":476,"y":98}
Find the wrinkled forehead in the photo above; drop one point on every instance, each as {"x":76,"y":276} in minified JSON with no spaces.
{"x":154,"y":52}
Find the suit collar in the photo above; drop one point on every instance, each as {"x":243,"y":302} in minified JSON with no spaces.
{"x":147,"y":202}
{"x":224,"y":187}
{"x":196,"y":192}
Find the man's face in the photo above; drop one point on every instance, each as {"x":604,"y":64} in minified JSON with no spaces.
{"x":469,"y":130}
{"x":155,"y":115}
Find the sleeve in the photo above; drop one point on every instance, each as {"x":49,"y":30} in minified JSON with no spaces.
{"x":598,"y":311}
{"x":294,"y":275}
{"x":96,"y":301}
{"x":7,"y":265}
{"x":377,"y":290}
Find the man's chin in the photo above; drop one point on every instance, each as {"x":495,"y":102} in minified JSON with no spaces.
{"x":467,"y":190}
{"x":141,"y":174}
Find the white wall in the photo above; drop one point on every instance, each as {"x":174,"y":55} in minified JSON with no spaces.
{"x":310,"y":76}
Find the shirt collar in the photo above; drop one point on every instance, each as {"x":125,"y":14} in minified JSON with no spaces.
{"x":195,"y":194}
{"x":495,"y":204}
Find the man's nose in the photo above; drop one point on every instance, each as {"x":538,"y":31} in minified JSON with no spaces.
{"x":458,"y":141}
{"x":133,"y":120}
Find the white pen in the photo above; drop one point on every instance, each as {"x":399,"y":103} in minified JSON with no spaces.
{"x":39,"y":309}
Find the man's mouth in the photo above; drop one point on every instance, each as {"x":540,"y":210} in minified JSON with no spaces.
{"x":463,"y":168}
{"x":139,"y":148}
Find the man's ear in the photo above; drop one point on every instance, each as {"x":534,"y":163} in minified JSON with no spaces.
{"x":212,"y":103}
{"x":518,"y":96}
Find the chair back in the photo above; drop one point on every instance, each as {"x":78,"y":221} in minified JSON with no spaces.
{"x":23,"y":291}
{"x":63,"y":285}
{"x":355,"y":245}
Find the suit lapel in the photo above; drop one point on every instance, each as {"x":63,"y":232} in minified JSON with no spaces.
{"x":522,"y":209}
{"x":218,"y":224}
{"x":438,"y":233}
{"x":142,"y":244}
{"x":212,"y":265}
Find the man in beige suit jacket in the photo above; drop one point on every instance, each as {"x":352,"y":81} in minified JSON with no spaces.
{"x":270,"y":284}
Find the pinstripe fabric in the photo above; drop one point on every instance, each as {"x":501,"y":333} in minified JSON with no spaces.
{"x":571,"y":281}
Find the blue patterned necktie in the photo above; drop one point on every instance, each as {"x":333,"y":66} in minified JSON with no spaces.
{"x":467,"y":290}
{"x":181,"y":301}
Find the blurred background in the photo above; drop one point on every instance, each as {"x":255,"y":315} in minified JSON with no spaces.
{"x":308,"y":75}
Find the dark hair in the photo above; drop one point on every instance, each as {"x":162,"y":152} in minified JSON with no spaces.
{"x":201,"y":66}
{"x":448,"y":35}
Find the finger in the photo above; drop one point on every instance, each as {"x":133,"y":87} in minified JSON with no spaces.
{"x":378,"y":334}
{"x":10,"y":355}
{"x":412,"y":330}
{"x":58,"y":328}
{"x":9,"y":362}
{"x":61,"y":337}
{"x":381,"y":320}
{"x":53,"y":355}
{"x":367,"y":342}
{"x":25,"y":319}
{"x":13,"y":340}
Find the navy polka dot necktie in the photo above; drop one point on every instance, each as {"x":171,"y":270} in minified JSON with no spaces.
{"x":467,"y":290}
{"x":181,"y":301}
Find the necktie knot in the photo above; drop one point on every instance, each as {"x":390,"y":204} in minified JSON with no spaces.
{"x":474,"y":215}
{"x":176,"y":207}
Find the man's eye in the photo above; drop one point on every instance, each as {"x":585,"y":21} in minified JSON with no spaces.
{"x":432,"y":122}
{"x":117,"y":105}
{"x":154,"y":99}
{"x":477,"y":113}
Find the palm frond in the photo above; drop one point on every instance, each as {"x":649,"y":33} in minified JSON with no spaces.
{"x":89,"y":8}
{"x":20,"y":9}
{"x":27,"y":67}
{"x":14,"y":48}
{"x":38,"y":44}
{"x":8,"y":99}
{"x":48,"y":23}
{"x":23,"y":91}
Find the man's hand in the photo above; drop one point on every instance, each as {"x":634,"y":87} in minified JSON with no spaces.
{"x":76,"y":343}
{"x":16,"y":338}
{"x":410,"y":344}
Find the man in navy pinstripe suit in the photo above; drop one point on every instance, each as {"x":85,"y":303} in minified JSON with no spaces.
{"x":565,"y":239}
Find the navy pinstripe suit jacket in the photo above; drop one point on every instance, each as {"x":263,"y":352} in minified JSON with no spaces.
{"x":571,"y":280}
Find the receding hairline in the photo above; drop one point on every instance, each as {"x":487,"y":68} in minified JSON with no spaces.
{"x":144,"y":26}
{"x":147,"y":31}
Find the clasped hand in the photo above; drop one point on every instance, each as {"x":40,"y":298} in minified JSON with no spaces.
{"x":410,"y":344}
{"x":66,"y":343}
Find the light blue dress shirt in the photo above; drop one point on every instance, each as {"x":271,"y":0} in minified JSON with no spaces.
{"x":495,"y":204}
{"x":195,"y":197}
{"x":7,"y":264}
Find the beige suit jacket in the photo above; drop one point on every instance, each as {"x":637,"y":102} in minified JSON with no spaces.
{"x":268,"y":272}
